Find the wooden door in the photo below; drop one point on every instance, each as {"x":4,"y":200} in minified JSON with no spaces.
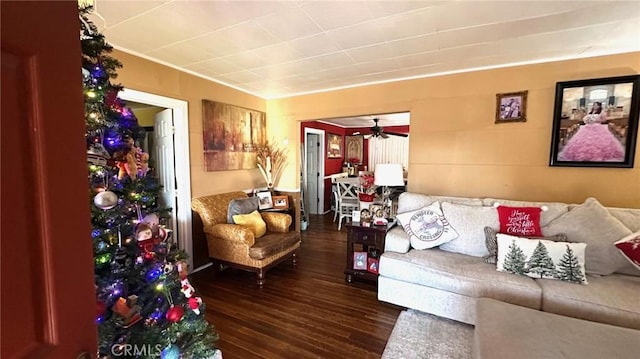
{"x":47,"y":292}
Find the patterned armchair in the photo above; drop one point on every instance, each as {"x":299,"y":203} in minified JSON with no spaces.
{"x":236,"y":246}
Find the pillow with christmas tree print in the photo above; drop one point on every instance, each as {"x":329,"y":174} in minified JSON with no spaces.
{"x":629,"y":246}
{"x":540,"y":258}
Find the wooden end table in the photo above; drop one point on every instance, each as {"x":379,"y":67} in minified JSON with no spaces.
{"x":369,"y":238}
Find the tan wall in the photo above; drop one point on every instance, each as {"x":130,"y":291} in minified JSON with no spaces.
{"x":143,"y":75}
{"x":146,"y":116}
{"x":456,"y":149}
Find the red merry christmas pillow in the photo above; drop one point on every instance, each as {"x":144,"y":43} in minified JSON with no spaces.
{"x":520,"y":221}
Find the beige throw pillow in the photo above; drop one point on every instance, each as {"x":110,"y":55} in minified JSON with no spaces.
{"x":591,"y":223}
{"x":469,"y":222}
{"x":427,"y":227}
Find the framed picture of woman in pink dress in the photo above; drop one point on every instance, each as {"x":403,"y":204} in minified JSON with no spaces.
{"x":595,"y":122}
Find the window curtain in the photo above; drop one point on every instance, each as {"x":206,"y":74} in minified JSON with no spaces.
{"x":394,"y":149}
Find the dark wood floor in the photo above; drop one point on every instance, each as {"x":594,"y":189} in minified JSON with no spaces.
{"x":307,"y":311}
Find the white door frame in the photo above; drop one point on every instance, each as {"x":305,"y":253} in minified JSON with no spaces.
{"x":183,"y":167}
{"x":321,"y":154}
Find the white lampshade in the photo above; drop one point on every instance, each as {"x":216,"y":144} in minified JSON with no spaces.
{"x":388,"y":174}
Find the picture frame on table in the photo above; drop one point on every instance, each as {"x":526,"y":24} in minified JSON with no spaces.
{"x":511,"y":107}
{"x":595,"y":122}
{"x":265,"y":200}
{"x":280,"y":202}
{"x":360,"y":260}
{"x":373,"y":265}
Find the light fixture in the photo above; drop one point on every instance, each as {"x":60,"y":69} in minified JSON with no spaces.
{"x":388,"y":174}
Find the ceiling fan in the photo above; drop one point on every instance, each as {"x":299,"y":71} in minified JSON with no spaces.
{"x":377,"y":131}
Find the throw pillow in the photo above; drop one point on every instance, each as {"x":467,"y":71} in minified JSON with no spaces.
{"x":550,"y":210}
{"x":540,"y":258}
{"x":491,"y":240}
{"x":241,"y":206}
{"x":591,"y":223}
{"x":629,"y":246}
{"x":427,"y":227}
{"x":520,"y":221}
{"x":253,"y":221}
{"x":469,"y":222}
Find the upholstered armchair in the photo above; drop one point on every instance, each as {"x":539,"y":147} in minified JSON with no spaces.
{"x":236,"y":245}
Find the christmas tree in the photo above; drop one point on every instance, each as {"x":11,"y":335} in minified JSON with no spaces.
{"x":569,"y":269}
{"x":514,"y":261}
{"x":146,"y":306}
{"x":540,"y":262}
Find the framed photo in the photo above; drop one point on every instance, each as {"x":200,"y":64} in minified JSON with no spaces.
{"x":334,"y":146}
{"x":264,"y":200}
{"x":360,"y":260}
{"x":511,"y":107}
{"x":355,"y":216}
{"x":354,"y":146}
{"x":281,"y":202}
{"x":595,"y":122}
{"x":373,"y":265}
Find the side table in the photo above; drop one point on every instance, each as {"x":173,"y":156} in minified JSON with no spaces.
{"x":366,"y":238}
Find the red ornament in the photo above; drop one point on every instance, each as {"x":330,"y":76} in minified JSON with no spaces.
{"x":194,"y":304}
{"x":175,"y":314}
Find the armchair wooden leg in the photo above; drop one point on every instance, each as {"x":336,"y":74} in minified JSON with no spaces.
{"x":260,"y":274}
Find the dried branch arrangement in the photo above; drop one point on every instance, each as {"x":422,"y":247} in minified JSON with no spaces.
{"x":271,"y":161}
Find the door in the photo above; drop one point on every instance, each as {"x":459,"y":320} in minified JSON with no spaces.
{"x":164,"y":155}
{"x":312,"y":143}
{"x":47,"y":291}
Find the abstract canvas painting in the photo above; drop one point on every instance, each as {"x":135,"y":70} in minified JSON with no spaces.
{"x":231,"y":136}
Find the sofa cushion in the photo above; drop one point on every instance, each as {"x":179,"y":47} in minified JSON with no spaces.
{"x":241,"y":206}
{"x":469,"y":222}
{"x":592,"y":224}
{"x":409,"y":201}
{"x":630,"y":217}
{"x":427,"y":227}
{"x":253,"y":221}
{"x":213,"y":208}
{"x":550,"y":210}
{"x":612,"y":299}
{"x":539,"y":258}
{"x":272,"y":244}
{"x":491,"y":240}
{"x":629,"y":246}
{"x":520,"y":221}
{"x":461,"y":274}
{"x":397,"y":240}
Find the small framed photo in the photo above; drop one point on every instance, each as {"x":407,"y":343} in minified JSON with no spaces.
{"x":360,"y":260}
{"x":372,"y":265}
{"x":511,"y":107}
{"x":334,"y":146}
{"x":355,"y":216}
{"x":281,"y":202}
{"x":264,"y":200}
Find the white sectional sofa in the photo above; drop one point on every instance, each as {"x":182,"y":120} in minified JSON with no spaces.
{"x":447,"y":283}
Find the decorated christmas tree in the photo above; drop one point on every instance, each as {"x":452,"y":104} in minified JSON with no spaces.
{"x":146,"y":306}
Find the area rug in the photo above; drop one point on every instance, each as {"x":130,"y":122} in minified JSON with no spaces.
{"x":421,"y":335}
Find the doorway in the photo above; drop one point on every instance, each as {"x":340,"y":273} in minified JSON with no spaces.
{"x":173,"y":144}
{"x":314,"y":170}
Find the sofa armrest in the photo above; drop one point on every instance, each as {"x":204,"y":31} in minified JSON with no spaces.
{"x":276,"y":222}
{"x":232,"y":232}
{"x":397,"y":240}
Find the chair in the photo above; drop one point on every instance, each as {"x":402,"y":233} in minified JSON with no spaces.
{"x":347,"y":199}
{"x":236,"y":246}
{"x":334,"y":192}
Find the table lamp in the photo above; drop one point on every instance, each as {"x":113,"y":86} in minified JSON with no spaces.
{"x":388,"y":174}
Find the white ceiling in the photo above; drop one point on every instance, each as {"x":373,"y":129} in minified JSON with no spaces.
{"x":281,"y":48}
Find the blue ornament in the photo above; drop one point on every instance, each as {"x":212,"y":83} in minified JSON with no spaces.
{"x":170,"y":352}
{"x":154,"y":273}
{"x":96,"y":233}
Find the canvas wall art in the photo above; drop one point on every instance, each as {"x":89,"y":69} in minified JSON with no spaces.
{"x":231,"y":136}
